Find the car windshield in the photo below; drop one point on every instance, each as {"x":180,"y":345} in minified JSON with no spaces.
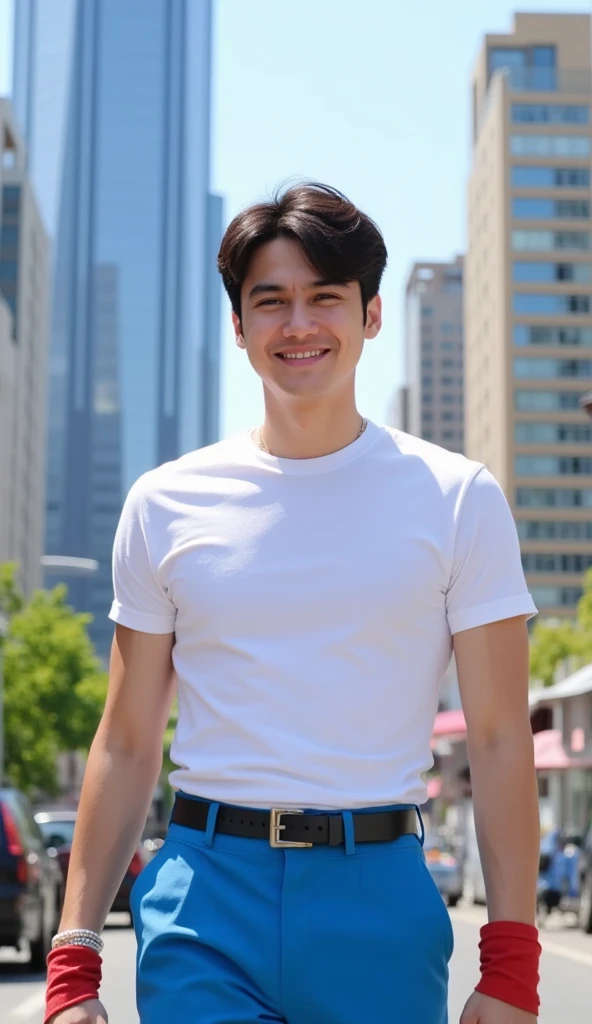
{"x":61,"y":832}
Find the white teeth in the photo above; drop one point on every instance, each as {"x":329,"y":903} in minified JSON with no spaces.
{"x":302,"y":355}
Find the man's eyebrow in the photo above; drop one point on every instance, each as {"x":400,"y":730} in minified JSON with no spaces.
{"x":268,"y":286}
{"x":264,"y":287}
{"x":326,"y":283}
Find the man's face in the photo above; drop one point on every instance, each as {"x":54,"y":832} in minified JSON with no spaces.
{"x":303,"y":336}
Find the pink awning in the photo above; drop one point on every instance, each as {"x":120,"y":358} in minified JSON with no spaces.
{"x":550,"y":754}
{"x":449,"y":724}
{"x":434,"y":787}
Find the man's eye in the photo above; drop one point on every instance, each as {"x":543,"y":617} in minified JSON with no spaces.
{"x":269,"y":302}
{"x":326,"y":295}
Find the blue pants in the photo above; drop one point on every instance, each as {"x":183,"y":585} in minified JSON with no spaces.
{"x":233,"y":931}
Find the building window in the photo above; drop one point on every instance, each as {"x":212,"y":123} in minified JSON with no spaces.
{"x":544,"y":241}
{"x":447,"y":382}
{"x":448,"y":435}
{"x":550,"y":113}
{"x":553,"y":497}
{"x":541,"y":335}
{"x":551,"y":529}
{"x":448,"y":399}
{"x":449,"y":346}
{"x":427,"y":398}
{"x":552,"y":368}
{"x":427,"y":364}
{"x":524,"y":176}
{"x":572,"y":209}
{"x":453,"y":283}
{"x":8,"y":271}
{"x":550,"y":209}
{"x":427,"y":416}
{"x":552,"y":562}
{"x":542,"y":272}
{"x":553,"y":597}
{"x":427,"y":346}
{"x":552,"y":465}
{"x":550,"y":305}
{"x":11,"y":199}
{"x":546,"y":401}
{"x":427,"y":382}
{"x":9,"y":237}
{"x":553,"y":433}
{"x":527,"y":67}
{"x":571,"y":240}
{"x":448,"y":416}
{"x":426,"y":311}
{"x":448,"y":364}
{"x":550,"y":145}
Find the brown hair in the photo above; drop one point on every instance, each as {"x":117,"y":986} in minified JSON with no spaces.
{"x":341,"y":243}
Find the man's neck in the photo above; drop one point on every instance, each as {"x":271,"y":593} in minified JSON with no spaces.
{"x":309,"y":433}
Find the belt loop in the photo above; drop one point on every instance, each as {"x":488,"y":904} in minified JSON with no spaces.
{"x":211,"y":823}
{"x":349,"y":834}
{"x":421,"y":825}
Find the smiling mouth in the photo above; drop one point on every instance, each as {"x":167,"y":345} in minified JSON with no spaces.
{"x":308,"y":356}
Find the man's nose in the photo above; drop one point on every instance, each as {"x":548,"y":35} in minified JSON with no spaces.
{"x":300,"y":323}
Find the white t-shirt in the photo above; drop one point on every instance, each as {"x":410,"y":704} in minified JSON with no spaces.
{"x":313,"y":603}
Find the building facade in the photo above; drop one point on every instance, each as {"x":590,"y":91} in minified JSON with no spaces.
{"x":432,"y":402}
{"x":114,"y":100}
{"x":24,"y":339}
{"x":528,"y":278}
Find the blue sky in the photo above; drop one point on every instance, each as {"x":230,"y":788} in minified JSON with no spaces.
{"x":372,"y":97}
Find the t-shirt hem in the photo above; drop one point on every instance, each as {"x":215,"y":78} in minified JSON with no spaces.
{"x":140,"y":621}
{"x":494,"y":611}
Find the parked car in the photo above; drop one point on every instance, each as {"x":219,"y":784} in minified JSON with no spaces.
{"x":586,"y":884}
{"x":31,"y":881}
{"x":444,"y":868}
{"x":57,"y":826}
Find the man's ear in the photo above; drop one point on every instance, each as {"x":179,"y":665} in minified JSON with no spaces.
{"x":238,"y":331}
{"x":373,"y":317}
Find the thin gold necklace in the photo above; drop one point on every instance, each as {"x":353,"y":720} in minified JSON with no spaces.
{"x":265,"y":449}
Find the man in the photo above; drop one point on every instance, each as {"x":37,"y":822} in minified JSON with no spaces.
{"x":306,"y":583}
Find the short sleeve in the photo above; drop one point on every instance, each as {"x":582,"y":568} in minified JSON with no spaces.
{"x":487,"y":580}
{"x":140,"y":601}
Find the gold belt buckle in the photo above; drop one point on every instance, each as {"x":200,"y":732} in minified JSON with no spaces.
{"x":275,"y":827}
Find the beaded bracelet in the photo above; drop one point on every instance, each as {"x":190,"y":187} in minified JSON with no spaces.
{"x":78,"y":937}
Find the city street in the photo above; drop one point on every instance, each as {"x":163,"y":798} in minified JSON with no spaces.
{"x":566,"y":971}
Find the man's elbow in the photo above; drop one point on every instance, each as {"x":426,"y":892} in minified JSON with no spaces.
{"x":504,"y":738}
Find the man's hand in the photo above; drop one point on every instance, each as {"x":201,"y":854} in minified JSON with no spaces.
{"x":90,"y":1012}
{"x":482,"y":1009}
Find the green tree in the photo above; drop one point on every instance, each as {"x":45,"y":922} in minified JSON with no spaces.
{"x":555,"y":642}
{"x":54,"y":688}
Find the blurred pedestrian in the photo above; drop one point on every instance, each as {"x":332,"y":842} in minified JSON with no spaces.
{"x":304,"y":583}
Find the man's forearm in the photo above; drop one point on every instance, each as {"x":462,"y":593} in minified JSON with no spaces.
{"x":114,"y":804}
{"x":506,"y":809}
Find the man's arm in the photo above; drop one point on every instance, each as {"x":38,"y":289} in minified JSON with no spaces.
{"x":492,"y":665}
{"x":123,"y":766}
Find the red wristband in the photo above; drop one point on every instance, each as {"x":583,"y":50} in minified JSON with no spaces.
{"x":73,"y":975}
{"x":510,"y":954}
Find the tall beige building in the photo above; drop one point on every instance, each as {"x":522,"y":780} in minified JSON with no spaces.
{"x":430,"y":405}
{"x":528,"y":295}
{"x":24,"y":331}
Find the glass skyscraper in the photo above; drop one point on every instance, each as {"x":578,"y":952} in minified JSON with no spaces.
{"x":113,"y":98}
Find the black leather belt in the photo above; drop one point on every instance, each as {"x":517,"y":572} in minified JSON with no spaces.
{"x":290,"y":828}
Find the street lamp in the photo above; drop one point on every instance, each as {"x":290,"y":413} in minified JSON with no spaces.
{"x":3,"y":632}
